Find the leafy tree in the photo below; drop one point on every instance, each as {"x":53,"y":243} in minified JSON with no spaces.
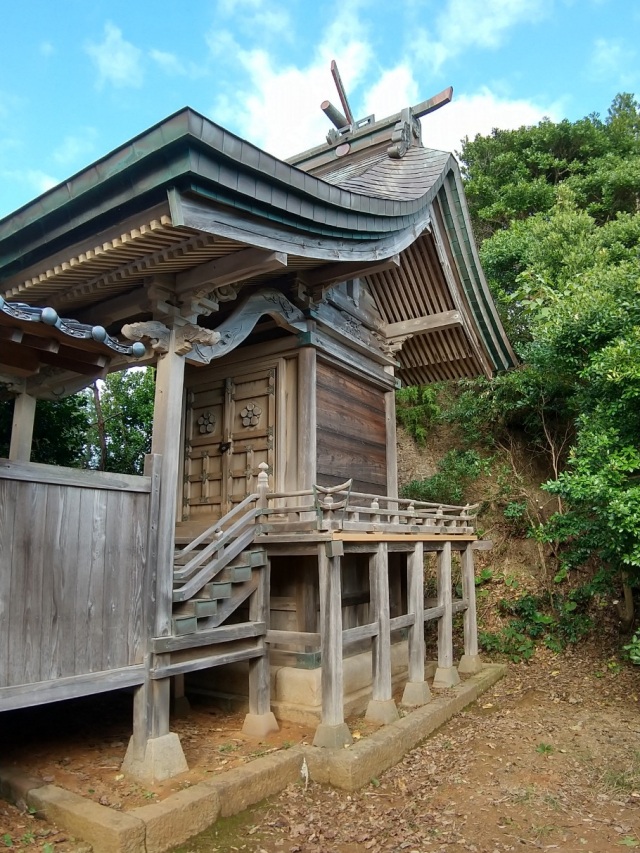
{"x":120,"y":435}
{"x":557,"y":207}
{"x":59,"y":431}
{"x":107,"y":427}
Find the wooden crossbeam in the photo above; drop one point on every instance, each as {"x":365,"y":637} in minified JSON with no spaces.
{"x":230,"y":269}
{"x":418,"y":325}
{"x":333,"y":273}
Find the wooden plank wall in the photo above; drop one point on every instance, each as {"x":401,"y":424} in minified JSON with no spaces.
{"x":351,"y":438}
{"x":72,"y":561}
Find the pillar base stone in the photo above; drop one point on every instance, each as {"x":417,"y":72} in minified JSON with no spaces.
{"x":470,"y":664}
{"x":332,"y":737}
{"x":260,"y":725}
{"x":382,"y":712}
{"x":416,"y":693}
{"x":446,"y":676}
{"x":161,"y":759}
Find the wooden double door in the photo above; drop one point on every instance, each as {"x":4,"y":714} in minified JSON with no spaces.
{"x":229,"y":431}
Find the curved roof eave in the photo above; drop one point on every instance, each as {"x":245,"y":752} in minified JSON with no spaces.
{"x":191,"y":153}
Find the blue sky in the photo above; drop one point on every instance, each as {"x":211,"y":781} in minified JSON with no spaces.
{"x":80,"y":77}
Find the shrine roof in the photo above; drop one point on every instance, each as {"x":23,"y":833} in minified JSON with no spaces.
{"x":187,"y":193}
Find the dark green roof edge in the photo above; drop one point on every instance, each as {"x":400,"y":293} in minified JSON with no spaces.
{"x":471,"y":274}
{"x":184,"y":148}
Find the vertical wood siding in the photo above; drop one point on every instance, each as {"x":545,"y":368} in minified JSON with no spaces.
{"x":72,"y":561}
{"x":351,"y":431}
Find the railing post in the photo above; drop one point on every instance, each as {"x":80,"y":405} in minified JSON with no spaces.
{"x":263,"y":490}
{"x":416,"y":690}
{"x":332,"y":731}
{"x":470,"y":661}
{"x":381,"y":709}
{"x":446,"y":673}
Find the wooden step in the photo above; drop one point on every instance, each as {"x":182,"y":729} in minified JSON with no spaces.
{"x":198,"y":607}
{"x":216,"y":590}
{"x":235,"y":574}
{"x":184,"y":625}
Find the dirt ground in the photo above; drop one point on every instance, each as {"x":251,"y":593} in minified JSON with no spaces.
{"x":549,"y":759}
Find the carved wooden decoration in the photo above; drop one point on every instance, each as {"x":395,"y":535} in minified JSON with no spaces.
{"x":241,"y":323}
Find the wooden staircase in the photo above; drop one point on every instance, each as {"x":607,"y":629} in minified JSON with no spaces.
{"x":216,"y":572}
{"x":218,"y":598}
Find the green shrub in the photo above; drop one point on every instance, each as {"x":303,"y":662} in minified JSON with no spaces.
{"x":456,"y":471}
{"x":417,"y":409}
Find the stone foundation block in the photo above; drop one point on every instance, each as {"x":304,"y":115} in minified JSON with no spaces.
{"x":445,"y":677}
{"x":243,"y":786}
{"x":416,"y":693}
{"x":179,"y":817}
{"x":107,"y":830}
{"x":162,"y":758}
{"x":260,"y":725}
{"x":470,"y":664}
{"x":382,"y":712}
{"x":332,"y":737}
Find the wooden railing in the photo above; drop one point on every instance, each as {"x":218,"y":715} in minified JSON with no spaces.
{"x":347,"y":510}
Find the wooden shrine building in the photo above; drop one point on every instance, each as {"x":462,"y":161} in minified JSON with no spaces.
{"x":282,"y":303}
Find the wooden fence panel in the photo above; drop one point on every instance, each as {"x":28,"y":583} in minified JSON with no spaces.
{"x":72,"y":566}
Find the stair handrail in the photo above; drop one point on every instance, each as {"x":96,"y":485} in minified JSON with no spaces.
{"x":207,"y":572}
{"x":216,"y":526}
{"x":227,"y":536}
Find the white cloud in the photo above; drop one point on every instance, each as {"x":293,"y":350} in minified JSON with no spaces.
{"x":279,"y":109}
{"x":257,"y":17}
{"x":117,"y":61}
{"x":76,"y":147}
{"x":481,"y":112}
{"x":472,"y":23}
{"x":394,"y":89}
{"x":34,"y":179}
{"x":168,"y":62}
{"x":611,"y":59}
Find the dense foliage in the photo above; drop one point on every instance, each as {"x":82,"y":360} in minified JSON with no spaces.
{"x":107,"y":426}
{"x":556,"y":210}
{"x":562,"y":256}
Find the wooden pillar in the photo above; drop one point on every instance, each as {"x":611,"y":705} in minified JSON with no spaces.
{"x":416,"y":690}
{"x":332,"y":731}
{"x":470,"y":662}
{"x":260,"y":720}
{"x":381,"y":709}
{"x":307,"y":419}
{"x":154,"y":753}
{"x":446,"y":673}
{"x":24,"y":410}
{"x":392,"y":447}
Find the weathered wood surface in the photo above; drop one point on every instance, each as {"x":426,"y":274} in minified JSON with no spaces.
{"x":55,"y":690}
{"x":73,"y":561}
{"x":351,"y":436}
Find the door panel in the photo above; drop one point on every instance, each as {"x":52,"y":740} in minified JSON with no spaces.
{"x":229,"y":431}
